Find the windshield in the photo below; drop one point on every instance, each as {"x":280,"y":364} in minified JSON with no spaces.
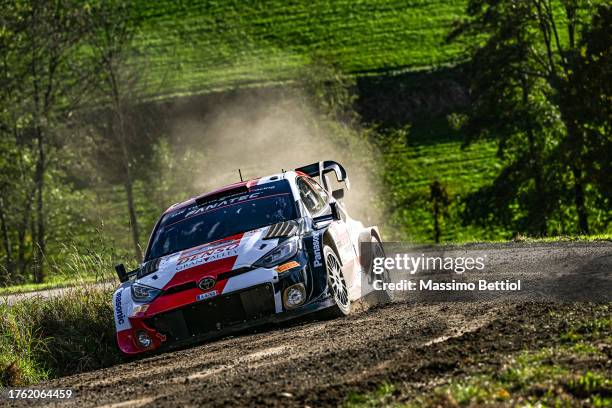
{"x":224,"y":216}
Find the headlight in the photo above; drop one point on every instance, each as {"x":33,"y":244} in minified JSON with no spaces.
{"x":281,"y":253}
{"x":143,"y":293}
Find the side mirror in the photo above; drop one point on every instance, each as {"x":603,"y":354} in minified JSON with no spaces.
{"x":338,"y":194}
{"x":334,"y":211}
{"x":121,"y":273}
{"x":333,"y":216}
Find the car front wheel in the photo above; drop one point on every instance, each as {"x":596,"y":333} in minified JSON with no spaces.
{"x":336,"y":284}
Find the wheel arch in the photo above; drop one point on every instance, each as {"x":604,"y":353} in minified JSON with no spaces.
{"x":365,"y":237}
{"x":329,"y":241}
{"x":376,"y":233}
{"x":367,"y":233}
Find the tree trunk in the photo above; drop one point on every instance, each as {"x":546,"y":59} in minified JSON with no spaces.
{"x":21,"y":235}
{"x":132,"y":213}
{"x":536,"y":166}
{"x":575,"y":162}
{"x":129,"y":190}
{"x":39,"y":276}
{"x":583,"y":223}
{"x":6,"y":241}
{"x":34,"y":254}
{"x":541,"y":213}
{"x":120,"y":125}
{"x":436,"y":214}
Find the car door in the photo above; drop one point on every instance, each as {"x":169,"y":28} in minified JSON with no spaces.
{"x":316,"y":201}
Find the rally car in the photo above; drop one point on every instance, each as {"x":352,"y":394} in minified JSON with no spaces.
{"x":258,"y":251}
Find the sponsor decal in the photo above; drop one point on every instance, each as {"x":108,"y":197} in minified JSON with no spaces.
{"x":119,"y":309}
{"x":286,"y":266}
{"x":316,"y":246}
{"x":138,"y":310}
{"x":206,"y":295}
{"x":189,"y":259}
{"x":221,"y":203}
{"x":176,"y":213}
{"x":208,"y":282}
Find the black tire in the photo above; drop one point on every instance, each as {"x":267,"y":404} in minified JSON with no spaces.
{"x":379,"y":252}
{"x":336,"y":284}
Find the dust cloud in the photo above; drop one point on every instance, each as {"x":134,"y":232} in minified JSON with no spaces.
{"x":263,"y":134}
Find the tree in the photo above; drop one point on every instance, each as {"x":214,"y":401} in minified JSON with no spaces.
{"x":521,"y":72}
{"x":127,"y":126}
{"x":439,"y":199}
{"x":45,"y":76}
{"x":589,"y":101}
{"x":507,"y":105}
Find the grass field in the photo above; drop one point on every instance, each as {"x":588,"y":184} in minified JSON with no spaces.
{"x":198,"y":46}
{"x":201,"y":46}
{"x":431,"y":151}
{"x":61,"y":335}
{"x":396,"y":48}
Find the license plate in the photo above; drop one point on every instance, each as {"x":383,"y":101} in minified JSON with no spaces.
{"x":206,"y":295}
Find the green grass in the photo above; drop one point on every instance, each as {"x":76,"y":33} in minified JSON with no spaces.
{"x":567,"y":238}
{"x":545,"y":377}
{"x":207,"y":45}
{"x":47,"y":338}
{"x":432,"y":151}
{"x":76,"y":265}
{"x":373,"y":399}
{"x":570,"y":370}
{"x":520,"y":238}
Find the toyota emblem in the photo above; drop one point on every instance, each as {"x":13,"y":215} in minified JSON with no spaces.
{"x":206,"y":283}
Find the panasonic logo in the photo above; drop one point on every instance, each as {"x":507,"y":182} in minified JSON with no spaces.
{"x":316,"y":246}
{"x":119,"y":309}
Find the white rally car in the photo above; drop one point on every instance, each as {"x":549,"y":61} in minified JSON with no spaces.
{"x":262,"y":250}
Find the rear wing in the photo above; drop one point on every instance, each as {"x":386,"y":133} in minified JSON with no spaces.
{"x":322,"y":168}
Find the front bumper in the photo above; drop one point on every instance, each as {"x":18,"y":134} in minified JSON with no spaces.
{"x":270,"y":319}
{"x":215,"y":314}
{"x":227,"y":313}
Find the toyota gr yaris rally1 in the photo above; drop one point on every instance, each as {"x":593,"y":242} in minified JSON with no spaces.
{"x":263,"y":250}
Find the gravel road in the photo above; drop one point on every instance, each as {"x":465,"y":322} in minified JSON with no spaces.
{"x":315,"y":363}
{"x":47,"y":293}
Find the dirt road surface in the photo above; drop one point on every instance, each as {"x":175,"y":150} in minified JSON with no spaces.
{"x":317,"y":363}
{"x":47,"y":293}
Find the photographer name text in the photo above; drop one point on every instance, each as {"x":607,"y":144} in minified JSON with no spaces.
{"x":423,"y":285}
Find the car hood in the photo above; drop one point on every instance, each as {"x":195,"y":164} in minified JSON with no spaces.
{"x":231,"y":253}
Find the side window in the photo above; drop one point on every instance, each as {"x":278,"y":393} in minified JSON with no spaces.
{"x":320,"y":191}
{"x":313,"y":202}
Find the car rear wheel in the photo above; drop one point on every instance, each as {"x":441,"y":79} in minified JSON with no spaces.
{"x":382,"y":296}
{"x":336,"y":284}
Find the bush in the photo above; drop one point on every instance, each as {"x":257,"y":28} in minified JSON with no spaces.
{"x":43,"y":338}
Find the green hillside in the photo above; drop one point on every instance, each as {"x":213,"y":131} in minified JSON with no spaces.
{"x":201,"y":46}
{"x":198,"y":46}
{"x":188,"y":76}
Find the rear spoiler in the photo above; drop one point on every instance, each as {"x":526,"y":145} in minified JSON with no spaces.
{"x":322,"y":168}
